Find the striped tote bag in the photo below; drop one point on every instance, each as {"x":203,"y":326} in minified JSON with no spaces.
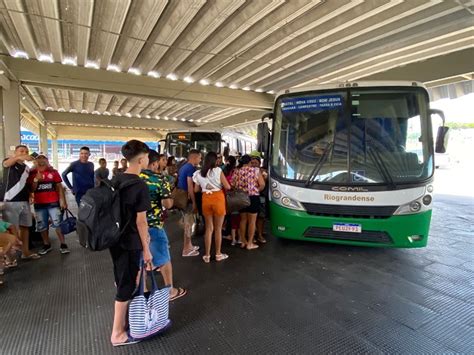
{"x":148,"y":311}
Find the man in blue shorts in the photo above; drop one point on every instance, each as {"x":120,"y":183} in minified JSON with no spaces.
{"x":159,"y":190}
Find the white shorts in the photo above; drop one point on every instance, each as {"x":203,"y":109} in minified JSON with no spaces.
{"x":18,"y":213}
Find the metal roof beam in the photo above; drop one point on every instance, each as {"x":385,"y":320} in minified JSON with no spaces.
{"x":108,"y":134}
{"x":65,"y":76}
{"x":432,"y":69}
{"x":112,"y":121}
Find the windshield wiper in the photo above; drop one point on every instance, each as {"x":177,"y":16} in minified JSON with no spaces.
{"x":319,"y":164}
{"x":381,"y":166}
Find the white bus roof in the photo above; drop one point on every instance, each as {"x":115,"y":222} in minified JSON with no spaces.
{"x":347,"y":84}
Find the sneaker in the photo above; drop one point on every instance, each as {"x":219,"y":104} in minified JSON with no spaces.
{"x":64,"y":249}
{"x":45,"y":250}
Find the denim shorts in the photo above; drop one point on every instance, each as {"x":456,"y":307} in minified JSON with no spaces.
{"x":44,"y":214}
{"x":159,"y":246}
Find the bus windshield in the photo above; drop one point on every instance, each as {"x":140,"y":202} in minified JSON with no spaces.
{"x":378,"y":135}
{"x":179,"y":144}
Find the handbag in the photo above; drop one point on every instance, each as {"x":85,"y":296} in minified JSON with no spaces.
{"x":236,"y":200}
{"x":68,"y":225}
{"x":180,"y":198}
{"x":148,"y":311}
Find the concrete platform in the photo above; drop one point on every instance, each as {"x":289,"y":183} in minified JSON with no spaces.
{"x":286,"y":297}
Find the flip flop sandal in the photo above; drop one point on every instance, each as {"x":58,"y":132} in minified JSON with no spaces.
{"x":206,"y":258}
{"x":11,"y":264}
{"x":196,"y":247}
{"x":190,"y":253}
{"x":30,"y":257}
{"x":252,"y":247}
{"x":181,"y":292}
{"x":262,"y":240}
{"x":129,"y":341}
{"x":221,"y":257}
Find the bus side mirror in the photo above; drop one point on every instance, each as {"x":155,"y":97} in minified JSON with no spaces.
{"x":263,"y":137}
{"x":442,"y":136}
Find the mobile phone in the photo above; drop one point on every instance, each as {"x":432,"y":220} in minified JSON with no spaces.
{"x":34,"y":155}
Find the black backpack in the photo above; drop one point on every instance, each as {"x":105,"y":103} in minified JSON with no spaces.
{"x":99,"y":222}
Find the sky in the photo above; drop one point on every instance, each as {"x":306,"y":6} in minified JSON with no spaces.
{"x":457,"y":110}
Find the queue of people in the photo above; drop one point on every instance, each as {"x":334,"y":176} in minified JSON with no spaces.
{"x":150,"y":179}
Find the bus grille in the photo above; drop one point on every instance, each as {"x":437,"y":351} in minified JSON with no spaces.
{"x":350,"y":211}
{"x":365,"y":236}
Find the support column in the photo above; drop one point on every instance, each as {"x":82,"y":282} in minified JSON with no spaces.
{"x":54,"y":149}
{"x":11,"y":117}
{"x":43,"y":139}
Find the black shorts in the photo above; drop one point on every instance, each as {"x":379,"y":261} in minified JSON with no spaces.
{"x":254,"y":205}
{"x":126,"y":267}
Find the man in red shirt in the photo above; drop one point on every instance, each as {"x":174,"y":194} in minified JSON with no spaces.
{"x":49,"y":200}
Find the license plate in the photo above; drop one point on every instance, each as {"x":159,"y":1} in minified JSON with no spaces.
{"x":347,"y":227}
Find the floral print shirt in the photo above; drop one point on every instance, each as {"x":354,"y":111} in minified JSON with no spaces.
{"x":246,"y":178}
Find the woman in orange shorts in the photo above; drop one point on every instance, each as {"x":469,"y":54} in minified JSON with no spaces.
{"x":211,"y":181}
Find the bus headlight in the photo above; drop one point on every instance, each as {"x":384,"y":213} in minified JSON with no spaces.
{"x":274,"y":184}
{"x":415,"y":206}
{"x":421,"y":204}
{"x":427,"y":200}
{"x":276,"y":194}
{"x":281,"y":199}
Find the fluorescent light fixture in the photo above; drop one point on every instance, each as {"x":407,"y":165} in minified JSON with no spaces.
{"x":20,"y":54}
{"x":84,"y":111}
{"x":95,"y":112}
{"x":219,"y":84}
{"x":69,"y":61}
{"x":183,"y":119}
{"x":157,"y":117}
{"x":154,"y":74}
{"x":134,"y":71}
{"x":138,"y":115}
{"x":191,"y":120}
{"x":199,"y":120}
{"x":233,"y":86}
{"x":246,"y":88}
{"x":73,"y":110}
{"x":172,"y":77}
{"x":49,"y":108}
{"x":46,"y":58}
{"x":118,"y":114}
{"x":61,"y":109}
{"x":271,"y":92}
{"x":106,"y":113}
{"x":175,"y":119}
{"x":259,"y":90}
{"x":2,"y":72}
{"x":148,"y":116}
{"x":166,"y":118}
{"x":188,"y":79}
{"x":92,"y":65}
{"x":113,"y":67}
{"x":204,"y":82}
{"x":128,"y":114}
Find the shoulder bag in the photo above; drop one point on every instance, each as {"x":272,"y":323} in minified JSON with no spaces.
{"x":148,"y":311}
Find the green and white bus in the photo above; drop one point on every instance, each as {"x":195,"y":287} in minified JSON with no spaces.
{"x":352,"y":163}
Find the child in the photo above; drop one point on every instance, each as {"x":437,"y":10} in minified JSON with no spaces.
{"x":126,"y":255}
{"x":50,"y":201}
